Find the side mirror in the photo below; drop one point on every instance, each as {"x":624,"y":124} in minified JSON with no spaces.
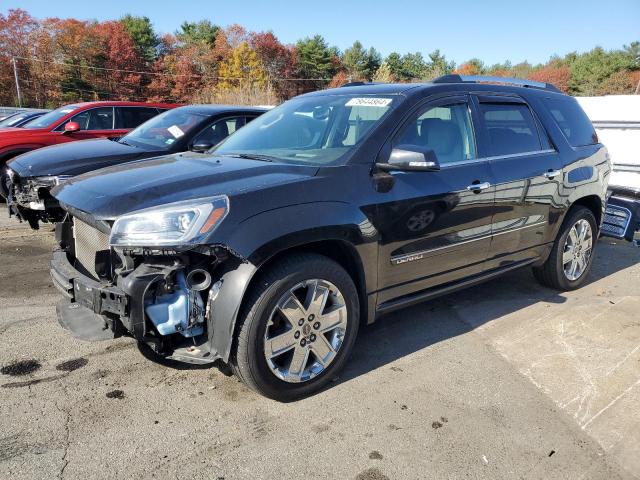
{"x":201,"y":146}
{"x":411,"y":158}
{"x":71,"y":127}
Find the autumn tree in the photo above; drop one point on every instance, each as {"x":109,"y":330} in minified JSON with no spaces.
{"x":558,"y":75}
{"x":590,"y":70}
{"x":121,"y":60}
{"x":176,"y":76}
{"x":619,"y":83}
{"x":470,"y":67}
{"x":242,"y":68}
{"x":279,"y":61}
{"x":16,"y":29}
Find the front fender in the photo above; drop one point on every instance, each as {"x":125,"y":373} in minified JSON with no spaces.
{"x":260,"y":238}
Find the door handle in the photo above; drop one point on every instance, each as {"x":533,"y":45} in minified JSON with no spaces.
{"x":478,"y":187}
{"x":552,"y":173}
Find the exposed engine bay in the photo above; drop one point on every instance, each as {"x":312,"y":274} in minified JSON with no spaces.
{"x":30,"y":200}
{"x":162,"y":297}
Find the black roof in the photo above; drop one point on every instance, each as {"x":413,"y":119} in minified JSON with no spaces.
{"x":206,"y":109}
{"x":448,"y":83}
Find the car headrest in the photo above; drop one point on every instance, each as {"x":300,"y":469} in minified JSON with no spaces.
{"x":444,"y":138}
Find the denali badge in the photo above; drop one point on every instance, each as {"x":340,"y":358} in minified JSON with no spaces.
{"x":407,"y":258}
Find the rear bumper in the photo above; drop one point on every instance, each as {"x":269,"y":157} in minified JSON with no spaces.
{"x":622,"y":217}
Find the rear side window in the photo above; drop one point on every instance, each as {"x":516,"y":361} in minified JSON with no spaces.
{"x":572,"y":120}
{"x":511,"y":128}
{"x":131,"y":117}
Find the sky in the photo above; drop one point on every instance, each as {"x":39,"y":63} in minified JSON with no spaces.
{"x":491,"y":30}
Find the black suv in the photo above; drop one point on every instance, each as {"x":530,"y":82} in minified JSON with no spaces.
{"x":31,"y":175}
{"x":325,"y":212}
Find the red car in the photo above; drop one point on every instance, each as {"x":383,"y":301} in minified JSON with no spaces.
{"x":79,"y":121}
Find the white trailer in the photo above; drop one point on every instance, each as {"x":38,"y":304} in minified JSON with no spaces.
{"x":616,"y":119}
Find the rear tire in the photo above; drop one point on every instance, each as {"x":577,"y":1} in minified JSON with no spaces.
{"x":569,"y":263}
{"x":286,"y":347}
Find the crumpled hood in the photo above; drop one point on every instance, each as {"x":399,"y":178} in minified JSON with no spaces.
{"x":110,"y":192}
{"x":75,"y":158}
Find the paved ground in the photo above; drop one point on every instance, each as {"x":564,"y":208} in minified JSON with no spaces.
{"x":505,"y":380}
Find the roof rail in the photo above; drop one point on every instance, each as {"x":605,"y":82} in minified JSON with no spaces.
{"x":455,"y":78}
{"x":359,"y":84}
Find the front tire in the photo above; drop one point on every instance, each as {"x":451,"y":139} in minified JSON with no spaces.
{"x":299,"y":326}
{"x":569,"y":263}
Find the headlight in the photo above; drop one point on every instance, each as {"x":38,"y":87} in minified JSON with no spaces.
{"x":174,"y":224}
{"x":49,"y":180}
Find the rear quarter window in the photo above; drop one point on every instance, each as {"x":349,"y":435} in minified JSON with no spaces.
{"x":572,"y":120}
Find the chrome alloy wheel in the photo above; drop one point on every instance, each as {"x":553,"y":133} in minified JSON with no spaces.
{"x":577,"y":250}
{"x":305,"y":331}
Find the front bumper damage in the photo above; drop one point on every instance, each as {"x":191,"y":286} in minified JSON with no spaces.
{"x":30,"y":201}
{"x":166,"y":300}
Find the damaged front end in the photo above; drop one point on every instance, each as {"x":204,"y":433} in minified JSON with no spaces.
{"x":30,"y":200}
{"x":163,"y":296}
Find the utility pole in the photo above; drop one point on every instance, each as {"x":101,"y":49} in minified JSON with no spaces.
{"x":15,"y":75}
{"x":638,"y":88}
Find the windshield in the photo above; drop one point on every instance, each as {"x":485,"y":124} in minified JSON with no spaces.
{"x":316,"y":130}
{"x":51,"y":117}
{"x":164,"y":130}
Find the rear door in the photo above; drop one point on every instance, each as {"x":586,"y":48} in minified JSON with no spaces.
{"x":527,"y":171}
{"x":128,"y":118}
{"x":435,"y":227}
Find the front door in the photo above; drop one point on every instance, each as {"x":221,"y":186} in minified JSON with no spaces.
{"x":94,"y":123}
{"x":527,"y":172}
{"x":435,"y":227}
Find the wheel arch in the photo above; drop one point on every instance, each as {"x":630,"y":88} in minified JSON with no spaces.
{"x":236,"y":283}
{"x":340,"y":251}
{"x":593,"y":203}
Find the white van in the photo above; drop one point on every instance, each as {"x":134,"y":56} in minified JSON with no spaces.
{"x":616,"y":119}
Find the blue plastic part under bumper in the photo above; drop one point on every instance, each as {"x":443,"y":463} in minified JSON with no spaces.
{"x":172,"y":313}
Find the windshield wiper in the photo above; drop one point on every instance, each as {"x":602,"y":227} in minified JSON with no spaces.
{"x":120,"y":140}
{"x":250,"y":156}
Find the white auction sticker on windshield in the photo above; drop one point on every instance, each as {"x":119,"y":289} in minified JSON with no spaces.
{"x":175,"y":131}
{"x":368,"y":102}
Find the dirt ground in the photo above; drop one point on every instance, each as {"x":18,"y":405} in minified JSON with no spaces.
{"x":504,"y":380}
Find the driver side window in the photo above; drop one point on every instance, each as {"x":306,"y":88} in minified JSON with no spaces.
{"x":94,"y":119}
{"x":445,"y":129}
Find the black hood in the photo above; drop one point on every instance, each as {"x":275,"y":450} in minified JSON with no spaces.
{"x":110,"y":192}
{"x":75,"y":158}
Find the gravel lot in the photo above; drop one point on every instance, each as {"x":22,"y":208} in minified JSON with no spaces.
{"x":505,"y":380}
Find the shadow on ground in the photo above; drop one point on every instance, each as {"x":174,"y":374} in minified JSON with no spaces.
{"x":406,"y":331}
